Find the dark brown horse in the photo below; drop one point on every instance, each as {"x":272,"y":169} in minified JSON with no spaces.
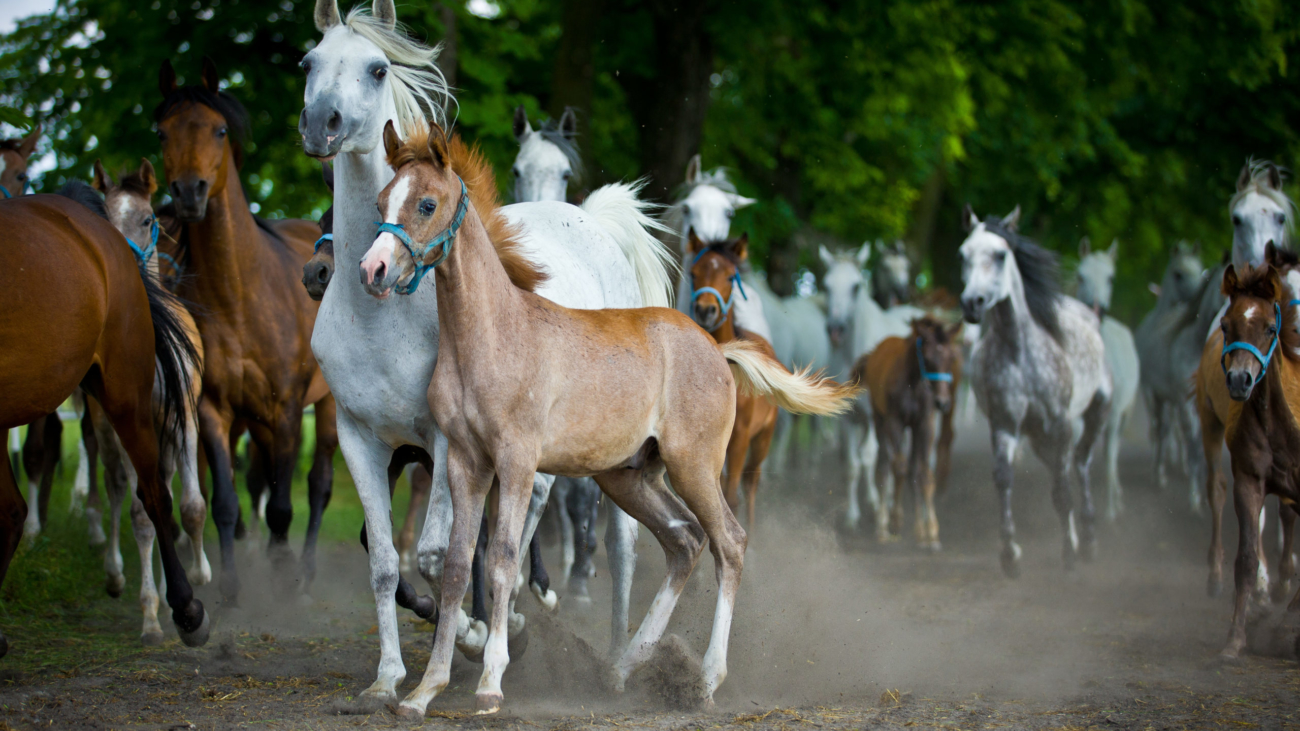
{"x":715,"y":285}
{"x":910,"y":380}
{"x":256,"y":326}
{"x":13,"y":163}
{"x":66,"y":270}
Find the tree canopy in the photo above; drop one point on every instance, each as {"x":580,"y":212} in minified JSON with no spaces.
{"x":848,"y":120}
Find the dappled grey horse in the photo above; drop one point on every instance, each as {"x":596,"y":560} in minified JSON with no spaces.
{"x":1038,"y":371}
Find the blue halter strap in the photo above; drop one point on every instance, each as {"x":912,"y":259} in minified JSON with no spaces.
{"x":928,"y":375}
{"x":737,"y":286}
{"x":321,"y":240}
{"x":1263,"y":358}
{"x":5,"y":191}
{"x":443,"y":240}
{"x":142,"y":256}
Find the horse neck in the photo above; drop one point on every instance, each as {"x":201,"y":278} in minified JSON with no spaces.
{"x":225,"y":248}
{"x":358,"y":179}
{"x":726,"y":332}
{"x":1010,"y":319}
{"x":476,"y":299}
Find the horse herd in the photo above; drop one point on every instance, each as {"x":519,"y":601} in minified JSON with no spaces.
{"x":545,"y":343}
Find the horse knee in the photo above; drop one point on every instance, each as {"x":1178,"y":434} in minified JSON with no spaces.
{"x":278,"y":517}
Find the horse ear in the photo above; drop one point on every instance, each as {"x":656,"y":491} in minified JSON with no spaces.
{"x":327,"y":15}
{"x":1153,"y":288}
{"x":166,"y":77}
{"x":438,"y":146}
{"x":1273,"y":176}
{"x":1113,"y":251}
{"x":522,"y":128}
{"x":827,"y":258}
{"x":1243,"y":179}
{"x":740,"y":247}
{"x":569,"y":123}
{"x":327,"y":174}
{"x":1012,"y":219}
{"x":211,"y":81}
{"x":1229,"y":281}
{"x":28,"y":144}
{"x":1085,"y":247}
{"x":392,"y":143}
{"x":739,"y":201}
{"x":146,"y":174}
{"x":864,"y":254}
{"x":385,"y":11}
{"x":101,"y":180}
{"x":968,"y":218}
{"x":693,"y":242}
{"x":693,"y":170}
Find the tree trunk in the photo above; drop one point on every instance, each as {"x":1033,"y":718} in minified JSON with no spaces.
{"x":920,"y":235}
{"x":447,"y":59}
{"x":574,"y":65}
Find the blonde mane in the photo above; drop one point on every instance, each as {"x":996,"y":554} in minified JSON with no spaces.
{"x":420,"y":91}
{"x":480,"y":182}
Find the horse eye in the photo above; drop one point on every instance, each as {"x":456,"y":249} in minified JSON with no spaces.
{"x":730,"y":213}
{"x":162,"y":135}
{"x":1000,"y":257}
{"x":686,"y":209}
{"x":22,"y":177}
{"x":568,"y":174}
{"x":1236,"y":220}
{"x":1281,"y":218}
{"x":856,"y":287}
{"x":517,"y":173}
{"x":306,"y":66}
{"x":147,"y":220}
{"x":427,"y":207}
{"x":221,"y":132}
{"x":380,"y":73}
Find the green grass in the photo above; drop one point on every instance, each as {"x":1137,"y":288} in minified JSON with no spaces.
{"x":53,"y":607}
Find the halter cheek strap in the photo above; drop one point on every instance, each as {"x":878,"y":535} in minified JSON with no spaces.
{"x":321,"y":240}
{"x":737,"y":286}
{"x":1263,"y":358}
{"x":5,"y":191}
{"x":444,"y":240}
{"x":928,"y":375}
{"x":142,"y":256}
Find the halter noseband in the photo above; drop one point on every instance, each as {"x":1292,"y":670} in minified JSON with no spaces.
{"x":1264,"y":359}
{"x":444,"y":240}
{"x":726,"y":305}
{"x":929,"y":375}
{"x":321,"y":240}
{"x":142,"y":256}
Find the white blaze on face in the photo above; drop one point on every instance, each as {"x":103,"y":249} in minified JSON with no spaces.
{"x":381,"y":251}
{"x":1250,"y":312}
{"x":541,"y":171}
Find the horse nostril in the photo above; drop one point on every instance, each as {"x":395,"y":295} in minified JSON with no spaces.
{"x":323,"y":275}
{"x":334,"y":122}
{"x":379,"y":272}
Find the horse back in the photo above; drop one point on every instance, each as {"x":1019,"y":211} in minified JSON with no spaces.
{"x":881,"y":371}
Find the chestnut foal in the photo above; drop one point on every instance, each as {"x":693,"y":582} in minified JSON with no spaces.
{"x":524,"y":385}
{"x":1260,"y":366}
{"x":715,"y":284}
{"x":910,"y":380}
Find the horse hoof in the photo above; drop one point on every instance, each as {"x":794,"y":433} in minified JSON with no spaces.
{"x":199,"y":636}
{"x":1230,"y":657}
{"x":114,"y":585}
{"x":934,"y":547}
{"x":487,"y":703}
{"x":518,"y":644}
{"x":409,"y":714}
{"x":364,"y":704}
{"x":546,"y":597}
{"x":151,"y":639}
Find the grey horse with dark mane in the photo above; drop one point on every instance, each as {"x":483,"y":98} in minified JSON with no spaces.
{"x":1038,"y":371}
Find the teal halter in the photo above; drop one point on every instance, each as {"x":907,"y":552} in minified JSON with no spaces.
{"x":142,"y":256}
{"x":5,"y":191}
{"x":444,"y":240}
{"x":929,"y":375}
{"x":726,"y":305}
{"x":1263,"y":359}
{"x":321,"y":240}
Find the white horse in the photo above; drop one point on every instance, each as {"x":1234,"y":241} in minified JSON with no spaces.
{"x":856,"y":324}
{"x":799,"y":340}
{"x":1261,"y":214}
{"x":600,"y":255}
{"x":548,"y":158}
{"x":1096,"y":280}
{"x":1039,"y":371}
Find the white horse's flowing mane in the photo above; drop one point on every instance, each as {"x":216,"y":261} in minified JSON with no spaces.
{"x":1258,"y":177}
{"x":420,"y":91}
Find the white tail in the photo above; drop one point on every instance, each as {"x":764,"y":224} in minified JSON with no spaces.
{"x":618,"y":210}
{"x":799,"y":393}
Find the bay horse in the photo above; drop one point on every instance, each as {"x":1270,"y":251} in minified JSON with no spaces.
{"x":1038,"y":371}
{"x":14,"y":154}
{"x":715,"y":289}
{"x":653,"y":392}
{"x":259,"y":370}
{"x":1215,"y":408}
{"x":1259,"y":367}
{"x":129,"y":207}
{"x":601,"y":254}
{"x":114,"y":329}
{"x":910,"y":380}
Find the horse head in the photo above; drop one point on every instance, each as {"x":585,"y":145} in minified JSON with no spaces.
{"x":1261,"y":213}
{"x":892,"y":275}
{"x":1096,"y":275}
{"x":710,"y":203}
{"x":844,"y":283}
{"x":1252,"y":325}
{"x":547,"y":158}
{"x":715,"y":279}
{"x":201,"y":129}
{"x":13,"y":162}
{"x":319,"y":269}
{"x":938,"y":352}
{"x":987,"y":262}
{"x":130,"y":209}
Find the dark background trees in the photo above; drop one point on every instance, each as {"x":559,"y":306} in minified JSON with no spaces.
{"x":847,"y":120}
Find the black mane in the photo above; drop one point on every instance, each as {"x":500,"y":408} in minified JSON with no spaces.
{"x":85,"y":195}
{"x":1040,"y":272}
{"x":223,"y":103}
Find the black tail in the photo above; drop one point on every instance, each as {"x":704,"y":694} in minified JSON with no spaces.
{"x":173,"y":352}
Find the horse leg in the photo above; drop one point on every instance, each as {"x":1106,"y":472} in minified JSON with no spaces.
{"x":890,"y":433}
{"x":854,"y":453}
{"x":320,"y":483}
{"x":214,"y":430}
{"x":421,"y":481}
{"x":33,"y":457}
{"x":80,"y":483}
{"x":1004,"y":455}
{"x":737,"y":448}
{"x":921,"y":480}
{"x":194,"y":509}
{"x":50,"y":457}
{"x":94,"y":506}
{"x":645,"y":497}
{"x":1114,"y":492}
{"x":256,"y":471}
{"x":621,"y":532}
{"x":539,"y":582}
{"x":1159,"y":435}
{"x":368,"y":459}
{"x":13,"y":513}
{"x":1187,"y":427}
{"x":286,"y":441}
{"x":1286,"y":569}
{"x":541,"y":493}
{"x":478,"y":588}
{"x":754,"y":467}
{"x":580,"y":504}
{"x":151,"y":634}
{"x":459,"y":509}
{"x":568,"y":554}
{"x":116,"y":484}
{"x":1095,"y":420}
{"x":943,"y":451}
{"x":1217,"y":491}
{"x":878,"y":480}
{"x":1248,"y":499}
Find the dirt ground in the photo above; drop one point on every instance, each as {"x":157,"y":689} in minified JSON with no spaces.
{"x":832,"y":631}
